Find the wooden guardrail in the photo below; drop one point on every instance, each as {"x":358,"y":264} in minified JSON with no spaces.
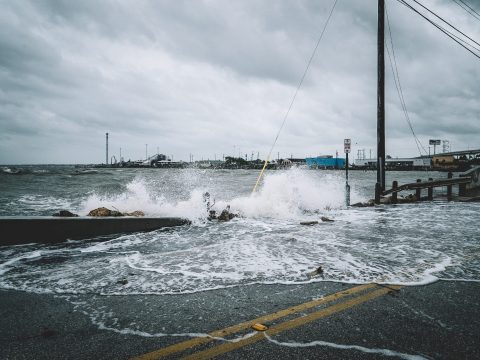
{"x":468,"y":181}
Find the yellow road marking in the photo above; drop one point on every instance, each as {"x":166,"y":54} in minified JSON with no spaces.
{"x":291,"y":324}
{"x":172,"y":349}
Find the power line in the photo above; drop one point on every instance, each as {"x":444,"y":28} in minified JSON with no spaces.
{"x":468,"y":9}
{"x":446,"y":32}
{"x":295,"y":94}
{"x":446,"y":22}
{"x":398,"y":85}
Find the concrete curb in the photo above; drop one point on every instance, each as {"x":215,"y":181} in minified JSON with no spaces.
{"x":17,"y":230}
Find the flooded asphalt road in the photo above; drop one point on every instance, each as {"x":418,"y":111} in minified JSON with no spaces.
{"x":435,"y":321}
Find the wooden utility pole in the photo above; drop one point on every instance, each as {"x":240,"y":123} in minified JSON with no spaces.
{"x":106,"y":149}
{"x":381,"y":98}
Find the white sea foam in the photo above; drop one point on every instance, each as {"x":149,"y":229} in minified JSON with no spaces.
{"x":282,"y":195}
{"x":7,"y":265}
{"x":384,"y":352}
{"x":40,"y":203}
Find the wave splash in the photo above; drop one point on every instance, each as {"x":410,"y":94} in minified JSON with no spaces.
{"x":283,"y":195}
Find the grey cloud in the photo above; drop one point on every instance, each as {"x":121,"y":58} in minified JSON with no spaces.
{"x":207,"y":76}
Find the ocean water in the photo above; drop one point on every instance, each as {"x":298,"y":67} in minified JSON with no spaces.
{"x":408,"y":244}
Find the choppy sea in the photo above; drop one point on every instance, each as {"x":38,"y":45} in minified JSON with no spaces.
{"x":403,"y":244}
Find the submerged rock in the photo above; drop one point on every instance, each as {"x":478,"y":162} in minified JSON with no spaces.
{"x":65,"y":213}
{"x":309,"y":223}
{"x":103,"y":211}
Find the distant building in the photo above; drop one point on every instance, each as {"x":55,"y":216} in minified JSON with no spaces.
{"x":443,"y":161}
{"x":397,"y":163}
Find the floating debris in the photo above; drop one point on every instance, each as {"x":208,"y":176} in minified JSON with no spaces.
{"x":326,"y":219}
{"x":316,"y":272}
{"x":309,"y":223}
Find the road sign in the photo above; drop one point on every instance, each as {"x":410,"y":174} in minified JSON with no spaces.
{"x":346,"y":145}
{"x":434,"y":142}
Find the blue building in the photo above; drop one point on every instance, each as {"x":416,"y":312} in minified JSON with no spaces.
{"x":325,"y":162}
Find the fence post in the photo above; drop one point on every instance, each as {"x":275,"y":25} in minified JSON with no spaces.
{"x":378,"y":190}
{"x":394,"y":193}
{"x":418,"y":192}
{"x":430,"y":191}
{"x":449,"y":187}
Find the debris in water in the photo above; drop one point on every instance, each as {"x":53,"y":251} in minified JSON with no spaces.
{"x":326,"y":219}
{"x":309,"y":223}
{"x":316,"y":272}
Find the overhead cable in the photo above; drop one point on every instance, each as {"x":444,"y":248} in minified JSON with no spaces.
{"x":446,"y":22}
{"x":468,"y":9}
{"x":446,"y":32}
{"x":398,"y":85}
{"x":295,"y":96}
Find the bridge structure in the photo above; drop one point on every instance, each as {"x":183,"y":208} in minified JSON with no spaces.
{"x":475,"y":153}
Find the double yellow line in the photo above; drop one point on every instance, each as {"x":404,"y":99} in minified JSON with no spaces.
{"x":370,"y":291}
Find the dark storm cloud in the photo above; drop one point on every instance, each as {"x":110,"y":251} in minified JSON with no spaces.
{"x":209,"y":77}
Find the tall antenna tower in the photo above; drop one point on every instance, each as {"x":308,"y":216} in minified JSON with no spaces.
{"x":106,"y":148}
{"x":446,"y":146}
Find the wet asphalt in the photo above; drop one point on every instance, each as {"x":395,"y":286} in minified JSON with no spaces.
{"x":436,"y":321}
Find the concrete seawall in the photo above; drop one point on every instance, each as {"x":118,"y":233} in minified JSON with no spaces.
{"x":17,"y":230}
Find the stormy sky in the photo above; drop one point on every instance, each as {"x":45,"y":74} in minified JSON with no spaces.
{"x":215,"y":77}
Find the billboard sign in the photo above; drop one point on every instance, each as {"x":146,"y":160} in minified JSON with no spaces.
{"x":434,"y":142}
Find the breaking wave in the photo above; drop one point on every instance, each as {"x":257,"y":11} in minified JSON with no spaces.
{"x":282,"y":195}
